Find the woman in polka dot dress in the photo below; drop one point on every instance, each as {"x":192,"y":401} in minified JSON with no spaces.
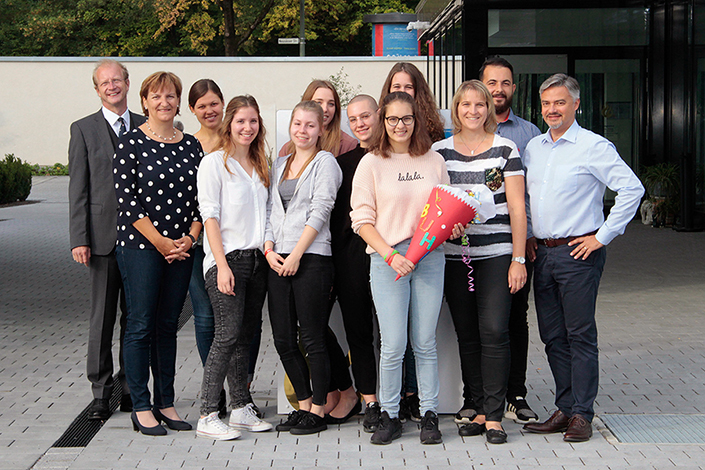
{"x":158,"y":222}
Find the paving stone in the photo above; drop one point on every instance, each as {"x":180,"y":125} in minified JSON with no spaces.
{"x":649,"y":315}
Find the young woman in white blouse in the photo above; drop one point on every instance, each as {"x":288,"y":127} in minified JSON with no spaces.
{"x":232,"y":184}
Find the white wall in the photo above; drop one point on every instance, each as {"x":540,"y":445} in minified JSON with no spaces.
{"x":41,"y":97}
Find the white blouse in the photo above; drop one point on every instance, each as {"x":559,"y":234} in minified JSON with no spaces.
{"x":236,"y":200}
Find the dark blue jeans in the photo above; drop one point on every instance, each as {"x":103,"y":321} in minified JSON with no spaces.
{"x":565,"y":290}
{"x":300,"y":302}
{"x":155,"y":292}
{"x":236,"y":318}
{"x":202,"y":311}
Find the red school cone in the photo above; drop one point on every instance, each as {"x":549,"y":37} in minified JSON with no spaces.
{"x":446,"y":206}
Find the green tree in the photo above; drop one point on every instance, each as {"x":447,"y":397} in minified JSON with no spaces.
{"x":332,"y":27}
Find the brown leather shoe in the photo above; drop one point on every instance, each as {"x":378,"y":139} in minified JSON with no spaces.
{"x":558,"y":422}
{"x":579,"y":429}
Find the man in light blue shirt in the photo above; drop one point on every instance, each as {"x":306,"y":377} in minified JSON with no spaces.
{"x":498,"y":75}
{"x":567,"y":171}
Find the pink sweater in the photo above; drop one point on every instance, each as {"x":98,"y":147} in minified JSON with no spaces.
{"x":390,"y":193}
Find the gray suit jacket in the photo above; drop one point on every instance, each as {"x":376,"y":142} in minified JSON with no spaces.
{"x":92,"y":202}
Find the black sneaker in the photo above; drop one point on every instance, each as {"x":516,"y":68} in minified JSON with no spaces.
{"x":409,"y":408}
{"x":372,"y":415}
{"x":520,"y":411}
{"x":310,"y":423}
{"x":467,"y":413}
{"x":430,"y":434}
{"x":291,"y":421}
{"x":388,"y":430}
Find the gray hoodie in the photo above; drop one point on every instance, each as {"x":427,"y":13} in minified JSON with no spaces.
{"x":310,"y":205}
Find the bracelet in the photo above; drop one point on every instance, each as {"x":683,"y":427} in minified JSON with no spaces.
{"x":389,"y":253}
{"x":193,"y":240}
{"x":267,"y":251}
{"x":391,"y":257}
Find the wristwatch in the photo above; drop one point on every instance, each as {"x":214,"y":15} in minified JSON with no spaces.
{"x":519,"y":259}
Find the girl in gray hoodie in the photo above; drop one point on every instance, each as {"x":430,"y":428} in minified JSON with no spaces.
{"x":297,"y":247}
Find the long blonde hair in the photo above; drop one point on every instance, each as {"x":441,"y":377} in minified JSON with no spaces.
{"x":309,"y":106}
{"x":256,"y":153}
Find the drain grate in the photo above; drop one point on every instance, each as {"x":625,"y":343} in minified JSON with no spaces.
{"x":82,"y":429}
{"x":656,"y":429}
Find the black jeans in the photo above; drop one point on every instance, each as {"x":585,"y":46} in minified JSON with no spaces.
{"x":481,"y":320}
{"x":301,"y":302}
{"x":352,"y":289}
{"x":236,"y":319}
{"x":519,"y":337}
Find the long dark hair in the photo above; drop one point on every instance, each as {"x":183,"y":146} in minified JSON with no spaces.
{"x":420,"y":142}
{"x":200,"y":88}
{"x":256,"y":154}
{"x":428,"y":111}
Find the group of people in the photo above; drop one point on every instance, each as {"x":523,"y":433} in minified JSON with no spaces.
{"x":329,"y":220}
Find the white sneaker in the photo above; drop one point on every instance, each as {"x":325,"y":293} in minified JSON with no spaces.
{"x":246,"y":418}
{"x":213,"y":428}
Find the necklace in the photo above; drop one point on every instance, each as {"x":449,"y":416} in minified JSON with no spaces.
{"x":472,"y":152}
{"x":161,"y":136}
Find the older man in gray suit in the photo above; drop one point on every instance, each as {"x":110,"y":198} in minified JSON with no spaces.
{"x":93,"y":225}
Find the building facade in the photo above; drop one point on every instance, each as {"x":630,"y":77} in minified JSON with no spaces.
{"x":640,"y":64}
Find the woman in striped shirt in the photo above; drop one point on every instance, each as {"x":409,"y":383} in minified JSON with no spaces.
{"x":475,"y":156}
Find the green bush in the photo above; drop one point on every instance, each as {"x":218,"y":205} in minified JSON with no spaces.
{"x":15,"y":179}
{"x":57,"y":169}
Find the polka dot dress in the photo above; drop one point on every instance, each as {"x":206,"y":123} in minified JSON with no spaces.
{"x":156,"y":180}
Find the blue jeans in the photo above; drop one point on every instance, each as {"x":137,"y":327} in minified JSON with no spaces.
{"x":154,"y":292}
{"x":236,"y":318}
{"x":202,"y":312}
{"x":409,"y":308}
{"x":565,"y":290}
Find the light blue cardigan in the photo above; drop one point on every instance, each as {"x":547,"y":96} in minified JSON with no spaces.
{"x":310,"y":205}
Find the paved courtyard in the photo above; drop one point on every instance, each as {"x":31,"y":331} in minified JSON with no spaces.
{"x":651,"y":318}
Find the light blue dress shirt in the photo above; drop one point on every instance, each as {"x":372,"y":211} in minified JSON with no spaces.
{"x":566,"y":183}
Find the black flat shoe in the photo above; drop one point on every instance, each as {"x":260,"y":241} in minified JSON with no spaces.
{"x":99,"y":409}
{"x":472,"y":429}
{"x":157,"y":430}
{"x":355,"y":410}
{"x":174,"y":424}
{"x":496,"y":436}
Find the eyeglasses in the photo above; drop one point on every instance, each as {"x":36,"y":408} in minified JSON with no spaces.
{"x":394,"y":120}
{"x":112,"y":81}
{"x":363,"y":117}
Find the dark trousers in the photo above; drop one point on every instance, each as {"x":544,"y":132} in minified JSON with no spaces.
{"x":203,"y":321}
{"x":236,"y":318}
{"x":481,"y":320}
{"x":519,"y":337}
{"x":106,"y":292}
{"x":155,"y":292}
{"x":300,"y":302}
{"x":352,"y":289}
{"x":566,"y":293}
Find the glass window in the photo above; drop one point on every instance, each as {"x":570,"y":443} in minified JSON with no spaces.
{"x":568,"y":27}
